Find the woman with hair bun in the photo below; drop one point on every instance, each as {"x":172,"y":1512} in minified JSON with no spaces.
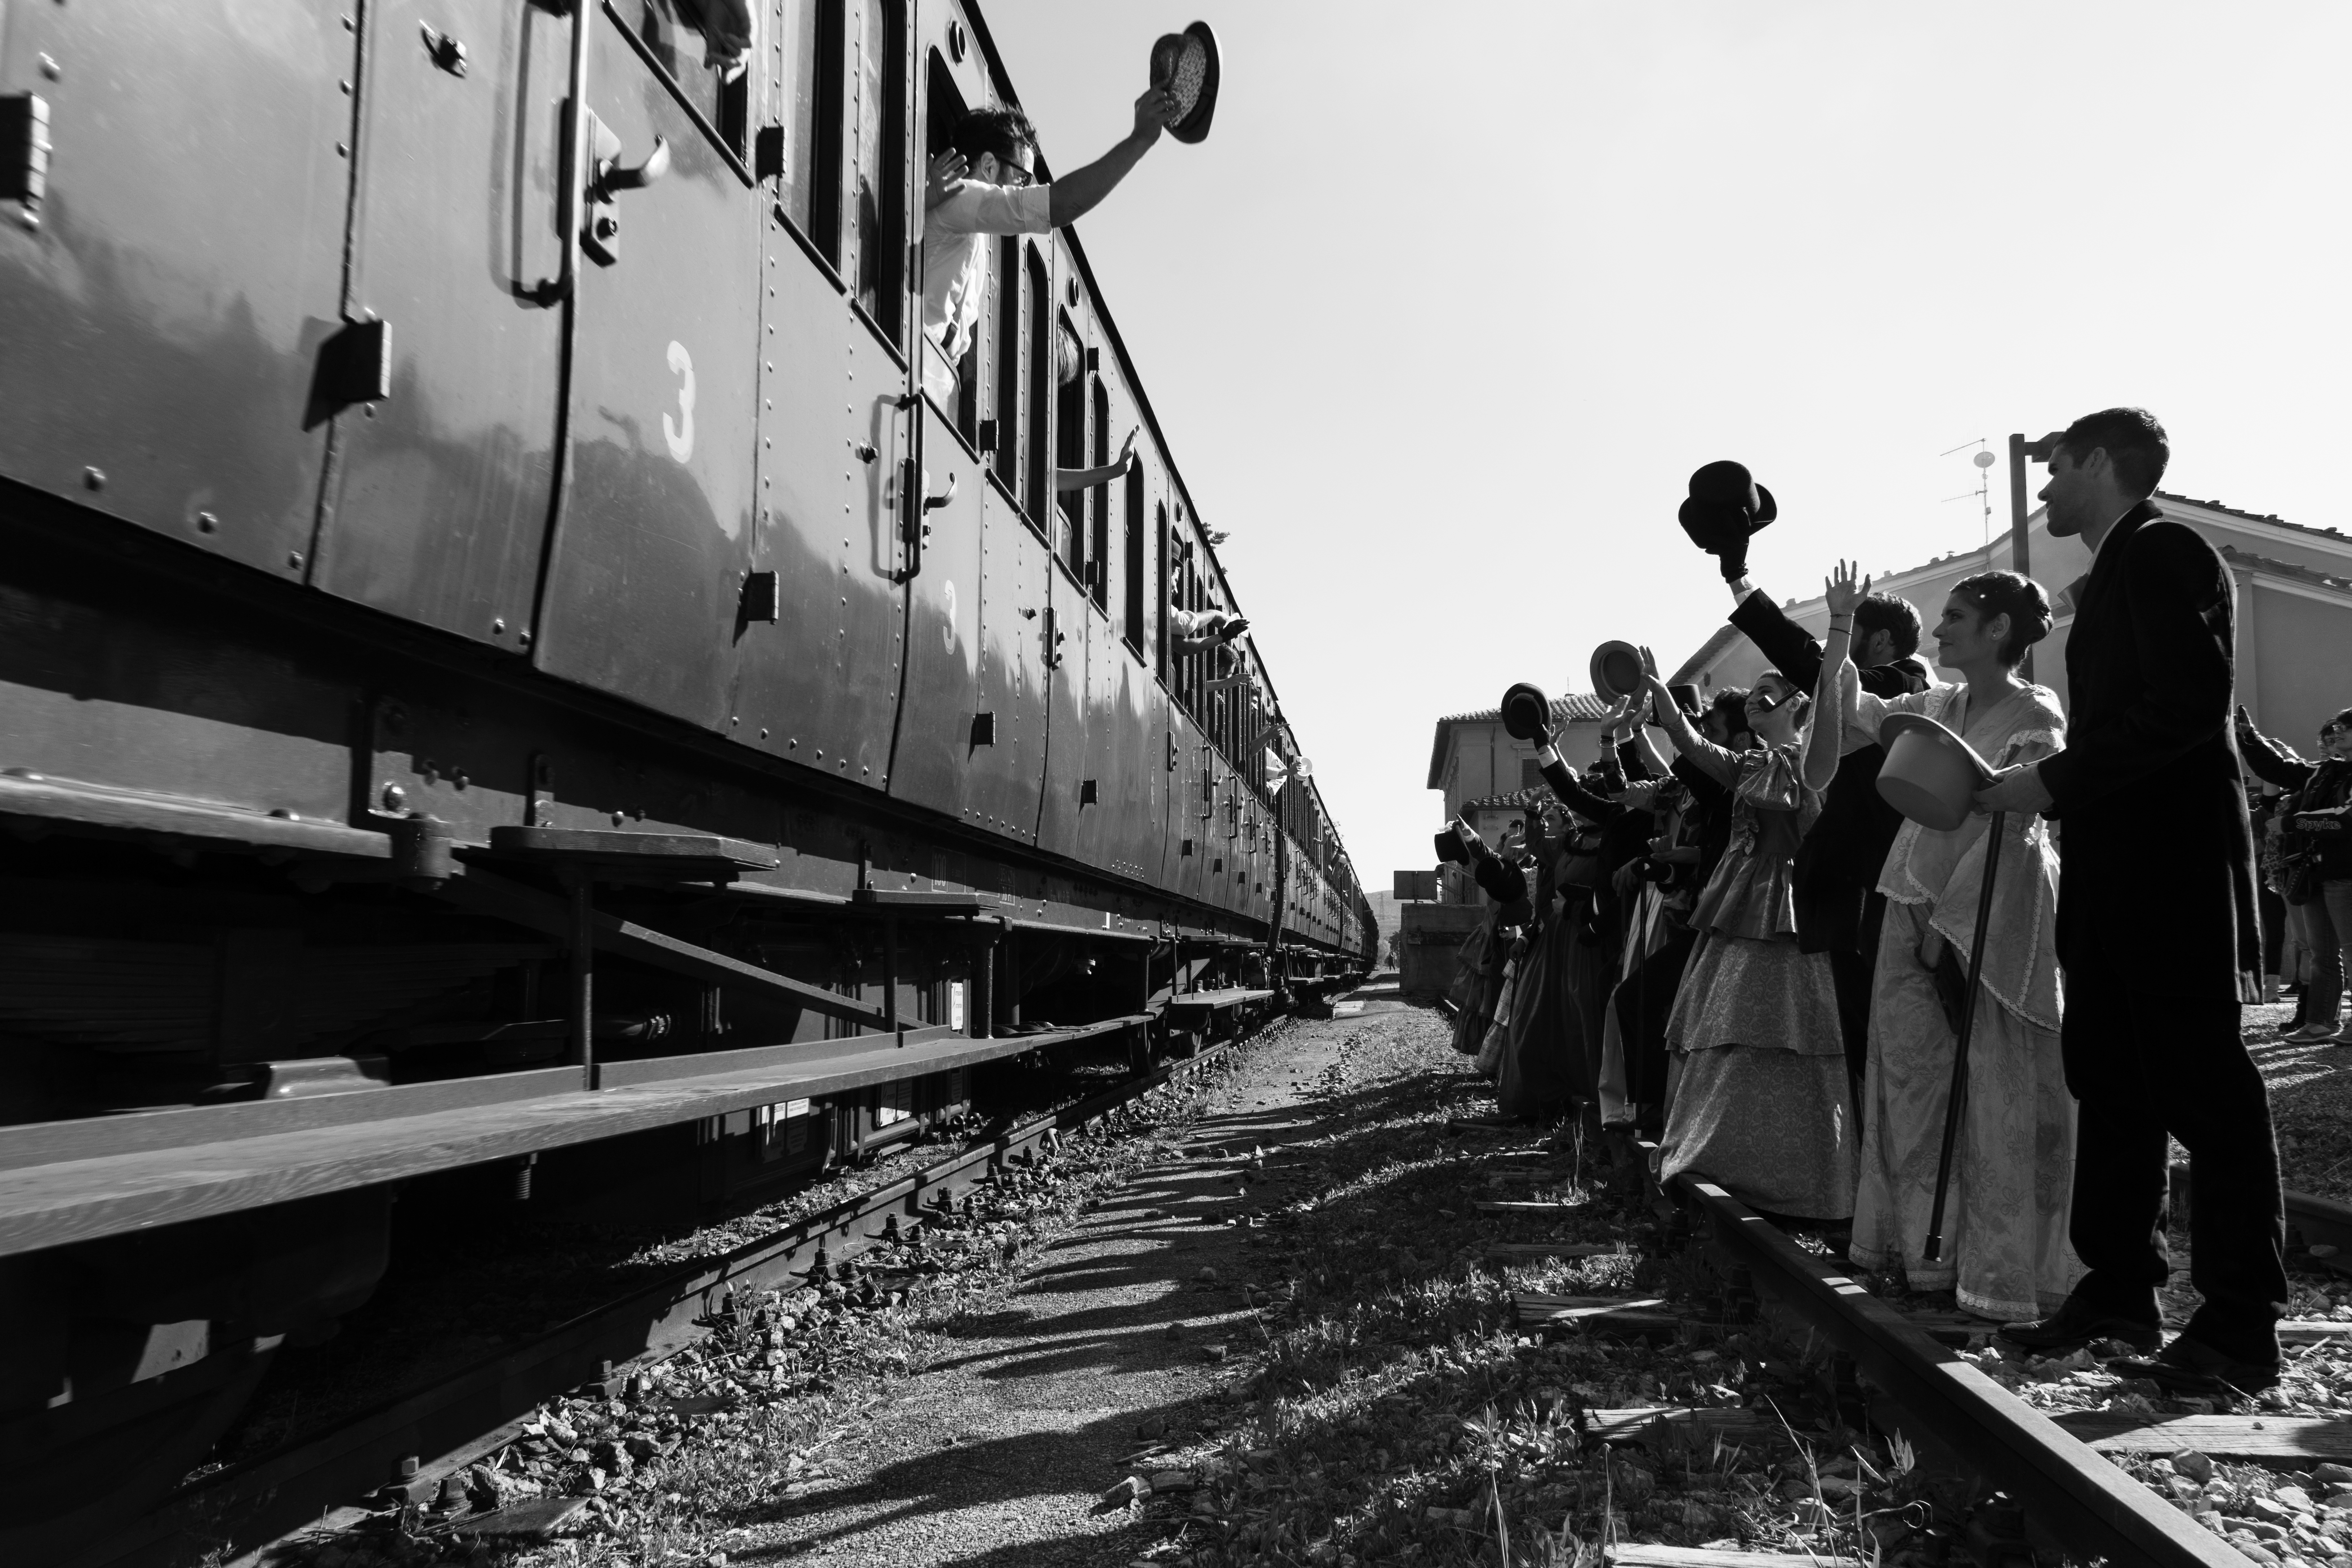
{"x":2006,"y":1254}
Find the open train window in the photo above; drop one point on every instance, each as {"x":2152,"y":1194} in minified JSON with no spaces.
{"x":805,"y":108}
{"x":1134,"y":562}
{"x":1159,"y":621}
{"x":1070,"y":442}
{"x":1007,"y":350}
{"x":1037,"y":318}
{"x":943,"y":111}
{"x":675,"y":44}
{"x":1098,"y":502}
{"x":881,"y":194}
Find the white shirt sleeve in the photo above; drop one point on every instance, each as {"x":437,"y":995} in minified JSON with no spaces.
{"x":994,"y":209}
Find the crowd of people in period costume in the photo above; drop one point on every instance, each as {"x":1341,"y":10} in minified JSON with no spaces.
{"x":1747,"y":938}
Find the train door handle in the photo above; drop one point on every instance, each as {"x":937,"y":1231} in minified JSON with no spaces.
{"x":933,"y":503}
{"x":600,"y":235}
{"x":612,"y":174}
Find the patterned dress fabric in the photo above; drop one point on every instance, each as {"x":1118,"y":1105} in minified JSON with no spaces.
{"x":2005,"y":1251}
{"x":1758,"y":1097}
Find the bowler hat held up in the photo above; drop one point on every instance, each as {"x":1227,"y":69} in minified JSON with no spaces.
{"x":1725,"y":506}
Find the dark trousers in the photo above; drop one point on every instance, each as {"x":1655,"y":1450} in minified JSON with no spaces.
{"x":2142,"y":1066}
{"x":2274,"y":914}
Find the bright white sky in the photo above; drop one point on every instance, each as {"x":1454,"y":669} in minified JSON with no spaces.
{"x":1443,"y":312}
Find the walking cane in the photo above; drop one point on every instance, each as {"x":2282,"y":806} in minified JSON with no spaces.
{"x":1935,"y":1248}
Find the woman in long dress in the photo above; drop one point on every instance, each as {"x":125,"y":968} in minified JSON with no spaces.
{"x":2005,"y":1251}
{"x":1757,"y":1092}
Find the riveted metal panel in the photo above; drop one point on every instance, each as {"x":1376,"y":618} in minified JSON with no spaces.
{"x":163,"y":308}
{"x":1067,"y":824}
{"x":1002,"y":779}
{"x":1188,"y":846}
{"x":654,"y":540}
{"x":439,"y":510}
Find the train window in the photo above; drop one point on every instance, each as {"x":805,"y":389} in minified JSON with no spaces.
{"x":1160,"y":554}
{"x":676,"y":46}
{"x":1134,"y":561}
{"x":1098,"y":502}
{"x":804,"y":103}
{"x":881,"y":194}
{"x":943,"y":111}
{"x":1070,"y":443}
{"x":1007,"y":348}
{"x":1038,"y":319}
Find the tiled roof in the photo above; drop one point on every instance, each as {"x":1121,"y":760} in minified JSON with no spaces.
{"x":1512,"y":800}
{"x":2283,"y":568}
{"x":2251,"y":516}
{"x":1568,"y":709}
{"x":1576,"y":708}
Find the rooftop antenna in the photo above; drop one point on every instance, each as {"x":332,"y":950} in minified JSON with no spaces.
{"x":1983,"y":492}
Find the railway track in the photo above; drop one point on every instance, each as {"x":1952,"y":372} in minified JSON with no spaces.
{"x":427,"y":1433}
{"x":2067,"y":1487}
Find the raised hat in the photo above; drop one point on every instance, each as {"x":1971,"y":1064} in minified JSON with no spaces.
{"x":1527,"y":712}
{"x":1186,"y":64}
{"x":1725,"y":505}
{"x":1616,"y":671}
{"x":1930,"y":774}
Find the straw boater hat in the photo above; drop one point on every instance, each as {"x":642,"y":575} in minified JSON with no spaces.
{"x":1930,"y":774}
{"x":1186,"y":64}
{"x":1726,"y":506}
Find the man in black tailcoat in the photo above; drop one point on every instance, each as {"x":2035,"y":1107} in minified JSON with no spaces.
{"x":2157,"y":930}
{"x":1835,"y":875}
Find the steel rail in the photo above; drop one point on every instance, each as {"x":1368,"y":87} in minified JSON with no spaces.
{"x":2067,"y":1487}
{"x":473,"y":1411}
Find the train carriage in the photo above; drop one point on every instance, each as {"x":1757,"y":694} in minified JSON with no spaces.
{"x":498,"y":654}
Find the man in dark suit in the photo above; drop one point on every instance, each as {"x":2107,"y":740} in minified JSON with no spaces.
{"x":1835,"y":875}
{"x":2157,"y":930}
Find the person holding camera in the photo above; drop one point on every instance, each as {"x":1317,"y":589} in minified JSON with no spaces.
{"x":2157,"y":931}
{"x":1759,"y":1100}
{"x":2006,"y":1209}
{"x":2316,"y":861}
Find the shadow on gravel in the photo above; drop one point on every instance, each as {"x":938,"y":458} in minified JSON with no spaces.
{"x":1044,"y":1334}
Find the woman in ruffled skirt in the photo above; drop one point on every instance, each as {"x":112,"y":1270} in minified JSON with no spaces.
{"x":2005,"y":1252}
{"x":1756,"y":1098}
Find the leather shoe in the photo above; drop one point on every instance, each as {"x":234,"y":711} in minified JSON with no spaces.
{"x":2189,"y":1366}
{"x":2074,"y":1325}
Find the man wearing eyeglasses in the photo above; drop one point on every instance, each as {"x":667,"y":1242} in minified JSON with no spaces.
{"x":985,"y":183}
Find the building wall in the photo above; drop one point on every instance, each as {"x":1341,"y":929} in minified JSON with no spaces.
{"x":1486,"y":761}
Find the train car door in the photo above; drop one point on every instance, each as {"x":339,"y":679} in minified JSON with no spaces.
{"x":1191,"y":807}
{"x":1070,"y":814}
{"x":646,"y":580}
{"x":438,"y":506}
{"x":172,"y":261}
{"x":1005,"y":750}
{"x":819,"y":661}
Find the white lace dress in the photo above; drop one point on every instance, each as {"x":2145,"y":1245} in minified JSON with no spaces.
{"x":2005,"y":1250}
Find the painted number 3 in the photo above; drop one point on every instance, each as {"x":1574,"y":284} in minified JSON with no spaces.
{"x":680,"y":435}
